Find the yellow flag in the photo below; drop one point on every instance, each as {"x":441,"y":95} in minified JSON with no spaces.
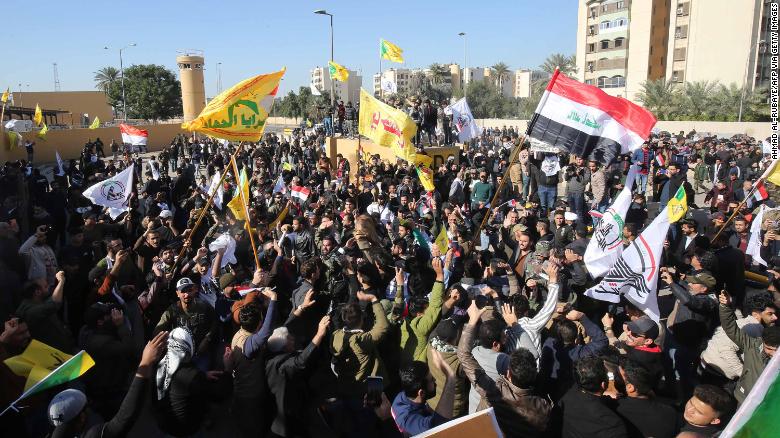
{"x":287,"y":166}
{"x":4,"y":99}
{"x":772,"y":173}
{"x":36,"y":362}
{"x":236,"y":204}
{"x":390,"y":51}
{"x":442,"y":240}
{"x":95,"y":123}
{"x":423,"y":160}
{"x":239,"y":113}
{"x":426,"y":178}
{"x":42,"y":133}
{"x":278,"y":220}
{"x":338,"y":72}
{"x":38,"y":117}
{"x":678,"y":205}
{"x":14,"y":139}
{"x":387,"y":126}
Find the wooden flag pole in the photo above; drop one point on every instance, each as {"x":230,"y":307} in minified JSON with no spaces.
{"x":246,"y":214}
{"x":748,"y":196}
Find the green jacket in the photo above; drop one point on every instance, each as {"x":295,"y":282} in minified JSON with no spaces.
{"x":415,"y":329}
{"x":754,"y":358}
{"x":701,"y":172}
{"x":355,"y":354}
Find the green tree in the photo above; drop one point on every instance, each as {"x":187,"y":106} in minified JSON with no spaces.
{"x":501,"y":70}
{"x":486,"y":102}
{"x":152,"y":93}
{"x":695,"y":100}
{"x":566,"y":64}
{"x":439,"y":73}
{"x":661,"y":98}
{"x":106,"y":78}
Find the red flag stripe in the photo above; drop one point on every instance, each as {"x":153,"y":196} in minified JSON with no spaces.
{"x":632,"y":116}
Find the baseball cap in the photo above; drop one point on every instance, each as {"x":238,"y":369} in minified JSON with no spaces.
{"x":644,"y":327}
{"x":66,"y":406}
{"x":184,"y":283}
{"x":166,"y":214}
{"x":543,"y":248}
{"x":701,"y":278}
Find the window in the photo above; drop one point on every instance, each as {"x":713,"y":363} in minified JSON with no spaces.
{"x":589,"y":81}
{"x":618,"y":81}
{"x":604,"y":44}
{"x":622,"y":21}
{"x":591,"y":47}
{"x":605,"y":8}
{"x":602,"y":81}
{"x":619,"y":42}
{"x":593,"y":12}
{"x":676,"y":76}
{"x":591,"y":29}
{"x":590,"y":66}
{"x":621,"y":5}
{"x":604,"y":25}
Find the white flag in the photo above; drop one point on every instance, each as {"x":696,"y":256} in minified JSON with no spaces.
{"x":464,"y":122}
{"x":388,"y":86}
{"x":754,"y":244}
{"x":606,"y":245}
{"x":225,"y":241}
{"x":155,"y":172}
{"x":113,"y":192}
{"x":635,"y":274}
{"x":314,"y":90}
{"x":59,"y":163}
{"x":220,"y":189}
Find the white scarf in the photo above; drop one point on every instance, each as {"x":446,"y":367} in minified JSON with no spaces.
{"x":179,"y":351}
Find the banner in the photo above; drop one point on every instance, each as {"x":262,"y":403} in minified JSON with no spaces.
{"x":635,"y":274}
{"x":388,"y":86}
{"x":338,"y":72}
{"x":387,"y":126}
{"x":463,"y":120}
{"x":240,"y":112}
{"x":606,"y":245}
{"x":113,"y":193}
{"x":390,"y":51}
{"x":314,"y":90}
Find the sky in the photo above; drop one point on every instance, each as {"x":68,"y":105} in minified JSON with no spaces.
{"x":260,"y":36}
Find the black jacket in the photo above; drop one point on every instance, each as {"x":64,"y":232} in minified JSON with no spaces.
{"x":289,"y":389}
{"x":648,"y":417}
{"x":587,"y":415}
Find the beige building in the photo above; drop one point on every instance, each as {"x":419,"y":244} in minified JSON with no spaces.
{"x":348,"y":91}
{"x":623,"y":43}
{"x":72,"y":108}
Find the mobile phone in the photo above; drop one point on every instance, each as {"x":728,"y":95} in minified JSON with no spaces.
{"x":374,"y":387}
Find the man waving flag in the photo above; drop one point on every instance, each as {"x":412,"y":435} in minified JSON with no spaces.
{"x":113,"y":193}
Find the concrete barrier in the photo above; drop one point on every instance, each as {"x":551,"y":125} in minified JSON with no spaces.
{"x":70,"y":142}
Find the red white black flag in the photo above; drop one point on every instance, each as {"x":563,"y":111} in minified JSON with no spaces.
{"x":588,"y":122}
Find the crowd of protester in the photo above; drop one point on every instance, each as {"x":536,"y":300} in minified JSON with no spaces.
{"x":352,"y":323}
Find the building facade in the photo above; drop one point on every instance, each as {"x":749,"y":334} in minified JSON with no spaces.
{"x":623,"y":43}
{"x":348,"y":91}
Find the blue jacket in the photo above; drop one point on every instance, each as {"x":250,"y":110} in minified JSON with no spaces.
{"x":414,"y":418}
{"x":637,"y":157}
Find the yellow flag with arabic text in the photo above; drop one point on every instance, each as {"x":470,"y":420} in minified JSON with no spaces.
{"x":236,"y":204}
{"x":240,"y":112}
{"x":387,"y":126}
{"x":42,"y":133}
{"x":338,"y":72}
{"x":36,"y":362}
{"x":426,"y":178}
{"x":678,"y":205}
{"x":390,"y":51}
{"x":38,"y":117}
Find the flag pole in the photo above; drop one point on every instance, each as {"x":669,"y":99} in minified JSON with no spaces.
{"x":246,"y":213}
{"x":210,"y":199}
{"x":748,"y":196}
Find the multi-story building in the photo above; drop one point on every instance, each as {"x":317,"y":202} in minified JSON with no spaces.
{"x":623,"y":43}
{"x":348,"y":91}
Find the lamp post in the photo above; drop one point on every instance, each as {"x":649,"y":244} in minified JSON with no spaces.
{"x":219,"y":77}
{"x":465,"y":67}
{"x":332,"y":95}
{"x":757,"y":45}
{"x":122,"y":78}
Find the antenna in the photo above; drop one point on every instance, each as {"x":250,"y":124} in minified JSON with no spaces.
{"x":56,"y":78}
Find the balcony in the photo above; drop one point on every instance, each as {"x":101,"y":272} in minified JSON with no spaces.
{"x":611,"y":64}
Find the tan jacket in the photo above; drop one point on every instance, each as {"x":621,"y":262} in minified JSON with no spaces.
{"x":598,"y":185}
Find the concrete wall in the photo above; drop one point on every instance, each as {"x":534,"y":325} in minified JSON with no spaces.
{"x":349,"y":149}
{"x":77,"y":103}
{"x":759,"y":130}
{"x":69,"y":142}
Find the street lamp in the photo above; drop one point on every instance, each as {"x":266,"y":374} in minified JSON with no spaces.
{"x":465,"y":67}
{"x":332,"y":95}
{"x":219,"y":77}
{"x":747,"y":69}
{"x":122,"y":73}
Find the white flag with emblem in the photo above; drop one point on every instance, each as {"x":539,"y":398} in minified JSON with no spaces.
{"x":635,"y":274}
{"x":754,"y":244}
{"x":606,"y":245}
{"x":314,"y":90}
{"x":463,"y":120}
{"x":113,"y":193}
{"x":388,"y":86}
{"x":219,"y":188}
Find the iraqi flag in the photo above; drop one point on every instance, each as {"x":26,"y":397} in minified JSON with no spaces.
{"x":588,"y":122}
{"x":300,"y":192}
{"x":660,"y":160}
{"x":760,"y":193}
{"x":132,"y":135}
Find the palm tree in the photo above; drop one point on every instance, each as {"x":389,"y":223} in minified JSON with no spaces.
{"x":438,"y":73}
{"x":500,"y":70}
{"x":660,"y":97}
{"x":105,"y":77}
{"x":696,"y":99}
{"x":566,"y":64}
